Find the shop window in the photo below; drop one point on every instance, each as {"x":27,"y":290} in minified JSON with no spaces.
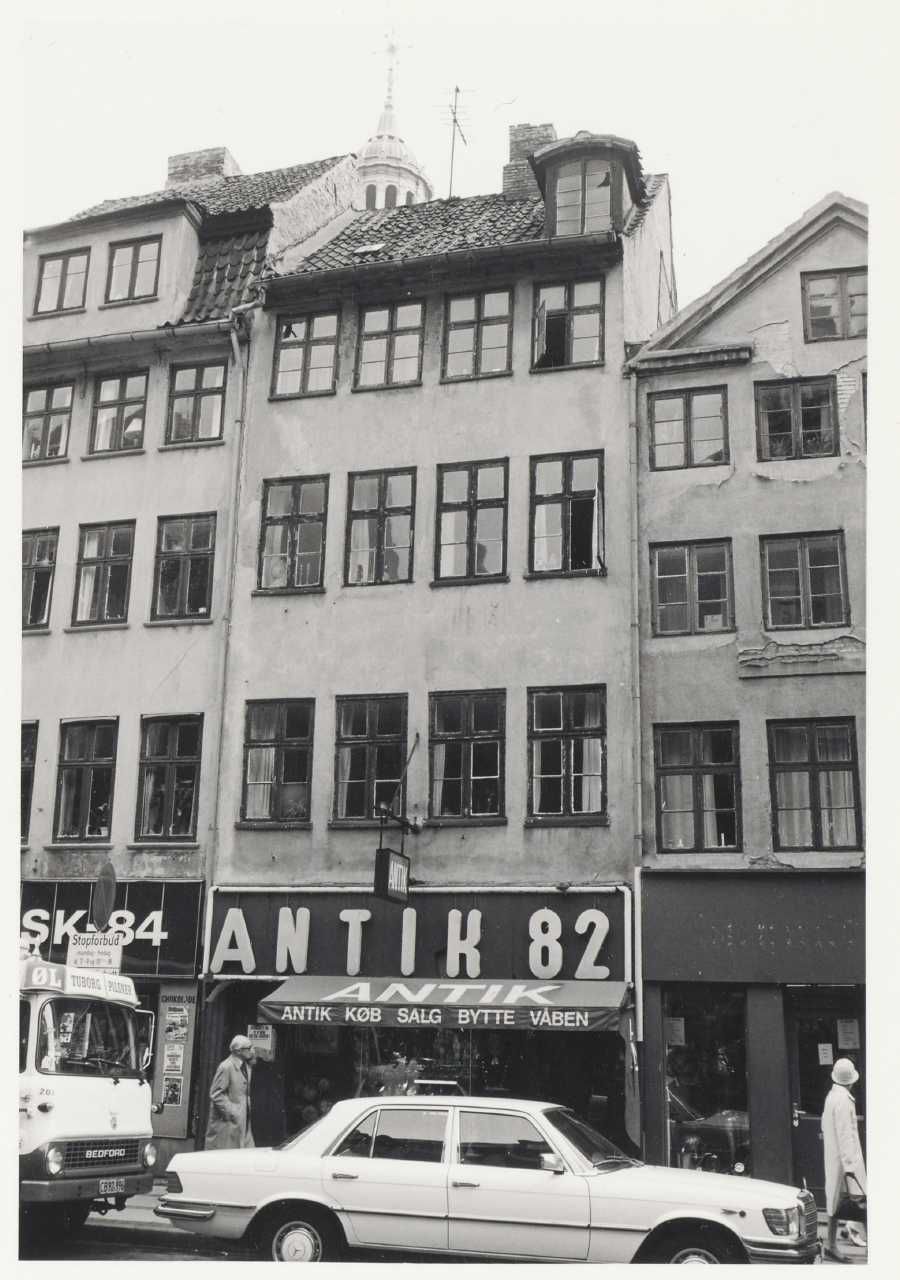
{"x":305,"y":355}
{"x":835,"y":304}
{"x":568,"y":325}
{"x":133,"y":269}
{"x":410,"y":1135}
{"x":567,"y":514}
{"x":478,"y":335}
{"x":796,"y":419}
{"x":698,"y":787}
{"x":814,"y":779}
{"x":120,"y":404}
{"x":84,"y":788}
{"x":29,"y":748}
{"x":61,"y":281}
{"x":103,"y":573}
{"x":380,"y":511}
{"x":370,"y":756}
{"x":390,"y":345}
{"x":500,"y":1141}
{"x":38,"y":569}
{"x":567,"y":753}
{"x":292,"y":538}
{"x":582,"y":197}
{"x":692,"y":592}
{"x":466,"y":753}
{"x":169,"y":778}
{"x":470,"y":540}
{"x":278,"y":747}
{"x":196,"y":404}
{"x":804,"y":581}
{"x":185,"y":546}
{"x":706,"y":1078}
{"x":45,"y":422}
{"x":688,"y":429}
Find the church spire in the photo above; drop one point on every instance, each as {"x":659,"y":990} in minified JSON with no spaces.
{"x":387,"y":124}
{"x":388,"y":173}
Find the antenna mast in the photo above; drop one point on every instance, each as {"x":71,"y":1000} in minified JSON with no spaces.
{"x":455,"y":128}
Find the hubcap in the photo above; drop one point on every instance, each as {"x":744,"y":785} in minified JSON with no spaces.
{"x":695,"y":1255}
{"x":297,"y":1242}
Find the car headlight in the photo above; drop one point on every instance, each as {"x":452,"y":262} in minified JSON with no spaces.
{"x":783,"y":1222}
{"x":55,"y":1160}
{"x":149,"y":1155}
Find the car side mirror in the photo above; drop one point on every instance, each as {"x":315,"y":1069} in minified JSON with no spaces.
{"x":552,"y":1162}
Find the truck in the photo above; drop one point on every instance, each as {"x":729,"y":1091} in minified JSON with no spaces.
{"x":85,"y":1102}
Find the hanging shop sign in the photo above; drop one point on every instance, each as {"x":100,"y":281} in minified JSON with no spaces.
{"x":157,"y":921}
{"x":391,"y":875}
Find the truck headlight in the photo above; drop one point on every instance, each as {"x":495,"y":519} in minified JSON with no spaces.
{"x":149,"y":1155}
{"x":783,"y":1222}
{"x":55,"y":1160}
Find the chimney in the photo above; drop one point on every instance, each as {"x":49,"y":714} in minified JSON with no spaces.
{"x":524,"y":139}
{"x":195,"y":166}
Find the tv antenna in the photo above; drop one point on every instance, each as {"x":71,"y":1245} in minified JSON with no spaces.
{"x":455,"y":128}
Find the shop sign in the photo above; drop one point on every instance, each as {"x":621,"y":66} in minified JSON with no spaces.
{"x":261,"y":1036}
{"x":391,"y":875}
{"x":508,"y":934}
{"x":157,"y":920}
{"x":96,"y":950}
{"x":38,"y":975}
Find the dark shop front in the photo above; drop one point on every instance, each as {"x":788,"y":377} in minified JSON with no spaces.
{"x":754,"y":984}
{"x":514,"y":992}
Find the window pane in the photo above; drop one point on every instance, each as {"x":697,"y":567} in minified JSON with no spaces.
{"x":833,"y":743}
{"x":837,"y":808}
{"x":489,"y":540}
{"x":70,"y":803}
{"x":817,"y":436}
{"x":585,"y":708}
{"x":309,"y":555}
{"x":361,"y":559}
{"x":491,"y":483}
{"x":794,"y":814}
{"x":312,"y":498}
{"x":454,"y":532}
{"x":547,"y":710}
{"x":185,"y":379}
{"x":553,"y":297}
{"x":198,"y":585}
{"x":455,"y":486}
{"x":504,"y":1141}
{"x":547,"y":536}
{"x":132,"y":427}
{"x":548,"y":767}
{"x":399,"y":491}
{"x":376,"y":320}
{"x":485,"y":715}
{"x":210,"y":420}
{"x":717,"y":746}
{"x":585,"y":474}
{"x":76,"y":741}
{"x":408,"y":316}
{"x":373,"y":362}
{"x":182,"y":417}
{"x":676,"y":747}
{"x":116,"y":593}
{"x":260,"y":779}
{"x":462,"y":309}
{"x":184,"y":800}
{"x":707,"y":428}
{"x":448,"y":715}
{"x":325,"y":327}
{"x":410,"y":1135}
{"x":99,"y":798}
{"x":494,"y":347}
{"x":187,"y":739}
{"x":485,"y":759}
{"x":263,"y":721}
{"x":586,"y":294}
{"x":57,"y":435}
{"x":120,"y":275}
{"x":275,"y":557}
{"x":823,"y":301}
{"x":167,"y":590}
{"x":279,"y":499}
{"x":365,"y":493}
{"x":676,"y":793}
{"x":582,"y":534}
{"x":289,"y":380}
{"x":153,"y":803}
{"x":791,"y":744}
{"x":587,"y":780}
{"x":353,"y":720}
{"x":397,"y":538}
{"x":389,"y":717}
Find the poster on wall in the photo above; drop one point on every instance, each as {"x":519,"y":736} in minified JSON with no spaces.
{"x":826,"y":1055}
{"x":675,"y":1032}
{"x":176,"y":1024}
{"x":173,"y":1059}
{"x":262,"y":1036}
{"x":177,"y":1018}
{"x":848,"y":1033}
{"x":172,"y":1091}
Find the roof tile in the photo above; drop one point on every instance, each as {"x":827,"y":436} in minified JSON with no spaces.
{"x":227,"y":270}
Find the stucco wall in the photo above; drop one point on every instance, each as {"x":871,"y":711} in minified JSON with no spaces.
{"x":647,"y":304}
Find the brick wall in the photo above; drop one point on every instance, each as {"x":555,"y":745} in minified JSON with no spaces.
{"x":191,"y":166}
{"x":524,"y":139}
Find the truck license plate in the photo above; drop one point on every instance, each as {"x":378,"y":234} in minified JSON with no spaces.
{"x":111,"y":1186}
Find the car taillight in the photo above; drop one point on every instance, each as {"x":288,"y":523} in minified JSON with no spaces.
{"x":173,"y":1182}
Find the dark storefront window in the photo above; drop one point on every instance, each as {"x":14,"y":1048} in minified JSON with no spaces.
{"x":706,"y":1078}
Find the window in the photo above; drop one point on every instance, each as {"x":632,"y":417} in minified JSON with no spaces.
{"x":84,"y":788}
{"x":61,"y":282}
{"x":278,"y":746}
{"x":582,"y":192}
{"x":815,"y":784}
{"x":390,"y":345}
{"x":409,"y":1134}
{"x":567,"y":752}
{"x":103,"y":574}
{"x":29,"y":748}
{"x":358,"y":1142}
{"x":370,"y":756}
{"x":38,"y":567}
{"x":87,"y":1038}
{"x":292,"y":538}
{"x":120,"y":405}
{"x":688,"y":429}
{"x":478,"y":335}
{"x":567,"y":518}
{"x":468,"y":733}
{"x":796,"y":419}
{"x":196,"y":404}
{"x":390,"y":197}
{"x":835,"y":304}
{"x":170,"y":778}
{"x":500,"y":1140}
{"x":692,"y":592}
{"x":45,"y":425}
{"x":380,"y":510}
{"x":697,"y":787}
{"x":185,"y":546}
{"x":804,"y":581}
{"x":370,"y":195}
{"x":133,"y":269}
{"x":470,"y":541}
{"x":305,"y":355}
{"x":568,"y":324}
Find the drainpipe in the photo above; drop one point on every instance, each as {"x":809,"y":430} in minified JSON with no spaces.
{"x":637,"y":816}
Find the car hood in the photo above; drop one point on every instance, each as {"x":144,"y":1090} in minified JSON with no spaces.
{"x":691,"y":1186}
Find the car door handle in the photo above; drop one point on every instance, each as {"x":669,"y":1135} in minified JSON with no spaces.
{"x":465,"y":1184}
{"x":346,"y":1177}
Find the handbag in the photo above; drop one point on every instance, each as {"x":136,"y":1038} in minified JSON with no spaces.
{"x":852,"y":1206}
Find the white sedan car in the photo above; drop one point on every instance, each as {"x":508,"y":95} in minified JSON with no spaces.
{"x":488,"y":1177}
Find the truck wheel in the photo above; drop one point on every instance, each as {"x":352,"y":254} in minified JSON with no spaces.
{"x":300,"y":1235}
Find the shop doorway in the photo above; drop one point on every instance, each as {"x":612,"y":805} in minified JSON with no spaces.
{"x":823,"y":1024}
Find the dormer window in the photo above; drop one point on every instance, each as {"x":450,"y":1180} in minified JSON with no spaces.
{"x":582,"y":189}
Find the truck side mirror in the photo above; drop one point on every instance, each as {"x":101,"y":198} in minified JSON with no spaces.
{"x":146,"y":1058}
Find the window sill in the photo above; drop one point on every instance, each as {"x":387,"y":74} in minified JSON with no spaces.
{"x":807,"y":626}
{"x":127,"y":302}
{"x":565,"y":573}
{"x":560,"y":368}
{"x":180,"y":622}
{"x":35,"y":631}
{"x":288,"y":591}
{"x":802,"y":457}
{"x":692,"y":466}
{"x":189,"y":444}
{"x":354,"y":824}
{"x":43,"y":462}
{"x":580,"y":820}
{"x":112,"y":453}
{"x":838,"y":337}
{"x":95,"y":626}
{"x":475,"y":377}
{"x":390,"y":386}
{"x":244,"y":825}
{"x":400,"y":582}
{"x":466,"y":822}
{"x":302,"y":395}
{"x":694,"y":635}
{"x":484,"y":580}
{"x":64,"y":311}
{"x":166,"y":845}
{"x":58,"y":845}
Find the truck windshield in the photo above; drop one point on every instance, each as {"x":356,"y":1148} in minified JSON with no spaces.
{"x":86,"y":1037}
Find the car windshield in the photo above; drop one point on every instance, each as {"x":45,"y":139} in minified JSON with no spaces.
{"x":592,"y":1145}
{"x":87,"y":1037}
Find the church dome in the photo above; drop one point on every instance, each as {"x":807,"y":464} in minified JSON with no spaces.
{"x":388,"y":172}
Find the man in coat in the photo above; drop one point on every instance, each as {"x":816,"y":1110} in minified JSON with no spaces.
{"x":229,"y":1098}
{"x":843,"y":1153}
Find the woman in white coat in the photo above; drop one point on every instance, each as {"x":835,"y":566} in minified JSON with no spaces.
{"x":840,"y":1133}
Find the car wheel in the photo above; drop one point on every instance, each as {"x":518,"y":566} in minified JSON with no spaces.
{"x":298,"y":1235}
{"x":697,"y":1250}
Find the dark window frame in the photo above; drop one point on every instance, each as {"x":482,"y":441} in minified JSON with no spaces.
{"x":50,"y":532}
{"x":135,"y":245}
{"x":46,"y":414}
{"x":535,"y":500}
{"x":803,"y":541}
{"x":552,"y":196}
{"x":842,"y":276}
{"x":26,"y":785}
{"x":813,"y":767}
{"x":104,"y":562}
{"x":381,"y":513}
{"x":370,"y":741}
{"x":390,"y":335}
{"x":171,"y":761}
{"x":795,"y":384}
{"x":693,"y":600}
{"x":85,"y":768}
{"x":686,"y":395}
{"x":63,"y":281}
{"x":477,"y":325}
{"x":305,"y":346}
{"x":197,"y":393}
{"x":698,"y":770}
{"x":183,"y":556}
{"x":471,"y":506}
{"x":467,"y":737}
{"x":293,"y":522}
{"x":567,"y":734}
{"x":121,"y":403}
{"x":570,"y":311}
{"x":280,"y":743}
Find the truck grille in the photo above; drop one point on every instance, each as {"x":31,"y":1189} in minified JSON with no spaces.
{"x":101,"y":1153}
{"x":810,"y":1215}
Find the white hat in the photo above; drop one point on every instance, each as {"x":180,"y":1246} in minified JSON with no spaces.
{"x":238,"y":1043}
{"x":843,"y":1072}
